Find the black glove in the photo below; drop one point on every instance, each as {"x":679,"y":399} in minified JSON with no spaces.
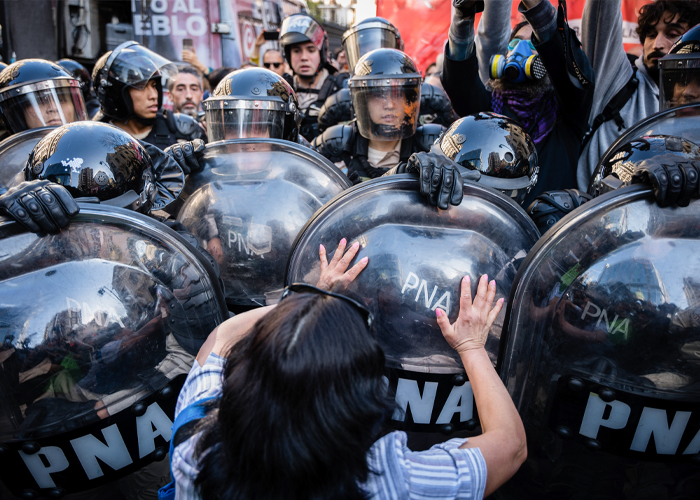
{"x":187,"y":155}
{"x":41,"y":206}
{"x":440,"y":180}
{"x":674,"y":183}
{"x":465,"y":9}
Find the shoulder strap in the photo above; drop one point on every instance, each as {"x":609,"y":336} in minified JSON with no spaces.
{"x":612,"y":110}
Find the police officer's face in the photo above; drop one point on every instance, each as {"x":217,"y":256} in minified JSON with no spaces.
{"x":50,"y":109}
{"x":686,"y":93}
{"x":386,"y":109}
{"x":186,"y":94}
{"x":305,"y":59}
{"x":145,"y":100}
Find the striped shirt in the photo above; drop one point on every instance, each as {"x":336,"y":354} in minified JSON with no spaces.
{"x":444,"y":471}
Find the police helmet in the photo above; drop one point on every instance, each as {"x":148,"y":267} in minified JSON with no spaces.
{"x":300,"y":28}
{"x":679,"y":72}
{"x":385,"y":90}
{"x":130,"y":65}
{"x":496,"y":146}
{"x":79,"y":73}
{"x":370,"y":34}
{"x":252,"y":102}
{"x":93,"y":159}
{"x":627,"y":157}
{"x":37,"y":93}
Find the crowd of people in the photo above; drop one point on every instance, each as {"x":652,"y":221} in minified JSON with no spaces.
{"x":282,"y":408}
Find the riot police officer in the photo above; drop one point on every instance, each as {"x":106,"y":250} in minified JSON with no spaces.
{"x":128,"y":84}
{"x":305,"y":45}
{"x":37,"y":93}
{"x":679,"y":72}
{"x":385,"y":90}
{"x":83,"y":76}
{"x":252,"y":102}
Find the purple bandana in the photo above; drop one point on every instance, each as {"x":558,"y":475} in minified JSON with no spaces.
{"x":537,"y":115}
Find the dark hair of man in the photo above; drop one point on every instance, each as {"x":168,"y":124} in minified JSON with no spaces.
{"x":185,"y":69}
{"x":303,"y":401}
{"x":517,"y":28}
{"x":218,"y":74}
{"x":651,"y":13}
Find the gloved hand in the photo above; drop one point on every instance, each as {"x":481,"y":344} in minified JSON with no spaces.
{"x":465,"y":9}
{"x":440,"y":180}
{"x":187,"y":155}
{"x":41,"y":206}
{"x":673,"y":182}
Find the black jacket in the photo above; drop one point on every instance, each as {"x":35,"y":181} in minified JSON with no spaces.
{"x":169,"y":128}
{"x":558,"y":152}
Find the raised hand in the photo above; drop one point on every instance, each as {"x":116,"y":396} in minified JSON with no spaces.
{"x":475,"y":318}
{"x":334,"y":274}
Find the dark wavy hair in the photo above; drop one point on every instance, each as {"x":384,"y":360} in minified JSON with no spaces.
{"x":303,"y":401}
{"x":651,"y":13}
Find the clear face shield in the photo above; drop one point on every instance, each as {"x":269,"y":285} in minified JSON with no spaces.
{"x":229,"y":118}
{"x":386,"y":109}
{"x":679,"y":75}
{"x":50,"y":103}
{"x":365,"y":38}
{"x":134,"y":65}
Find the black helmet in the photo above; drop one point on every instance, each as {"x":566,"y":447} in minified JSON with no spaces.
{"x":370,"y":34}
{"x":679,"y":72}
{"x":385,"y":90}
{"x":129,"y":65}
{"x":37,"y":93}
{"x":94,"y":159}
{"x":300,"y":28}
{"x":79,"y":73}
{"x":252,"y":102}
{"x":622,"y":163}
{"x":496,"y":146}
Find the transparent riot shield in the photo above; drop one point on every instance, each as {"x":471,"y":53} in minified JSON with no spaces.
{"x":601,"y":353}
{"x":418,"y":256}
{"x":99,"y":328}
{"x":14,"y":152}
{"x":683,"y":121}
{"x":247,"y":206}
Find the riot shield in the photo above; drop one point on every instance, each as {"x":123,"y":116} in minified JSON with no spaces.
{"x":14,"y":152}
{"x":247,"y":206}
{"x":683,"y":121}
{"x":418,"y":256}
{"x":99,"y":328}
{"x":601,"y":353}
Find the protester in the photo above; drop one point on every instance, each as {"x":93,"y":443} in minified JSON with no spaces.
{"x":186,"y":91}
{"x":341,"y":59}
{"x":305,"y":45}
{"x":625,"y":94}
{"x":431,"y":70}
{"x":274,"y":61}
{"x":254,"y":372}
{"x":552,"y":105}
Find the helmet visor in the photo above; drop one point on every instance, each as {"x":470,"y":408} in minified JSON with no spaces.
{"x":306,"y":26}
{"x":365,"y":40}
{"x":387,"y":112}
{"x":46,"y":107}
{"x":680,"y":82}
{"x":223,"y":124}
{"x":135,"y":65}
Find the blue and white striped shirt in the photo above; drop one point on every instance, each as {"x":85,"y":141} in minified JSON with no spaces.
{"x":444,"y":471}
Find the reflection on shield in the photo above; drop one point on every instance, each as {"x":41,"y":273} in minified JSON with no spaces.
{"x":418,"y":256}
{"x":600,"y":353}
{"x":14,"y":153}
{"x":247,"y":206}
{"x":99,"y":327}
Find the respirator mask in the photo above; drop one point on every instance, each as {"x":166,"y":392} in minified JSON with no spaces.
{"x":521,"y":63}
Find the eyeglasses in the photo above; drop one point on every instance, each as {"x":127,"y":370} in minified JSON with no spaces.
{"x":304,"y":288}
{"x":269,"y":65}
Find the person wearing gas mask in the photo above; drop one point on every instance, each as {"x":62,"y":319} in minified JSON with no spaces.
{"x":128,"y":84}
{"x":363,"y":37}
{"x":544,"y":81}
{"x":305,"y":46}
{"x":385,"y":90}
{"x":626,"y":94}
